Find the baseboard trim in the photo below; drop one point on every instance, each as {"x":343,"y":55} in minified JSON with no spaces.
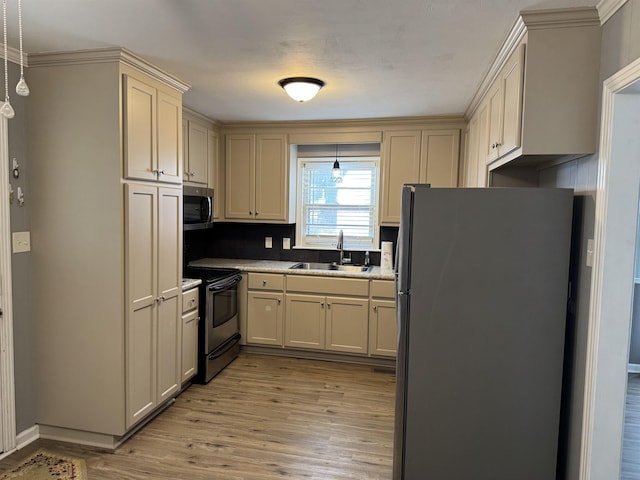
{"x":633,"y":368}
{"x":27,"y":436}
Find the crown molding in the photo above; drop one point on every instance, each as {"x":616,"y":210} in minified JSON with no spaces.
{"x":607,"y":8}
{"x":107,"y":55}
{"x":356,"y":124}
{"x":530,"y":20}
{"x":13,"y":55}
{"x":561,"y":17}
{"x":191,"y":114}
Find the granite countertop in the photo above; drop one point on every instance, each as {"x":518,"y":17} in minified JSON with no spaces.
{"x":189,"y":283}
{"x":276,"y":266}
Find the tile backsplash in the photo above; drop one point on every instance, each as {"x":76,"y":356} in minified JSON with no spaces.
{"x":247,"y":240}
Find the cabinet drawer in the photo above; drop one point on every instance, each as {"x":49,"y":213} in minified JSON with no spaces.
{"x":266,"y":281}
{"x":327,"y":285}
{"x":189,"y":300}
{"x":383,"y":289}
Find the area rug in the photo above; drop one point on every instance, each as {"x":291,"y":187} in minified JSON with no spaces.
{"x":45,"y":465}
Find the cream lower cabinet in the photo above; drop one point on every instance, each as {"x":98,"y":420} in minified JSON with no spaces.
{"x":383,"y":336}
{"x":153,"y":324}
{"x":327,"y":313}
{"x":190,"y":320}
{"x":305,"y":321}
{"x":265,"y":308}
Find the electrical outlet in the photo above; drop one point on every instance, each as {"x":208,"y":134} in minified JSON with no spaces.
{"x":268,"y":242}
{"x":21,"y":242}
{"x":286,"y":244}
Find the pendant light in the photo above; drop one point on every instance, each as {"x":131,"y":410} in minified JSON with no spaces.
{"x":6,"y":110}
{"x":301,"y":89}
{"x":22,"y":88}
{"x":336,"y":174}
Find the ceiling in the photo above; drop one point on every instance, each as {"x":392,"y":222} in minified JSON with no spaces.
{"x":379,"y":58}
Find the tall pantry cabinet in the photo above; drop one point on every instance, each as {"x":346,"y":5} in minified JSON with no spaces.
{"x":105,"y":135}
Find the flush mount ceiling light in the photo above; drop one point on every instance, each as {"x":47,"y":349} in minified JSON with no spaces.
{"x":301,"y":89}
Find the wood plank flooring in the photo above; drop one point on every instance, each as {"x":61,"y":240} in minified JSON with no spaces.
{"x":631,"y":441}
{"x":262,"y":418}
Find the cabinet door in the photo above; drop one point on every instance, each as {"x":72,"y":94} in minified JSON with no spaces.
{"x":494,"y":98}
{"x":170,"y":291}
{"x":401,"y":163}
{"x":189,"y":345}
{"x":440,"y":153}
{"x":272,"y":178}
{"x":305,"y":321}
{"x":347,"y":328}
{"x":198,"y":153}
{"x":140,"y":154}
{"x":264,"y":318}
{"x":169,"y":138}
{"x":240,"y":184}
{"x":169,"y":354}
{"x":483,"y":144}
{"x":512,"y":82}
{"x":215,"y":173}
{"x":383,"y":328}
{"x":471,"y":157}
{"x":141,"y":336}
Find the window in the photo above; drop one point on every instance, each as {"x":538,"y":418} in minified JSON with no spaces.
{"x":325,"y":206}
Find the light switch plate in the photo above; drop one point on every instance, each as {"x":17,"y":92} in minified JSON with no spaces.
{"x":21,"y":242}
{"x":286,"y":244}
{"x":268,"y":242}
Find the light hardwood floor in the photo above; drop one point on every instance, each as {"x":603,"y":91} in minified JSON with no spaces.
{"x":262,"y":418}
{"x":631,"y":441}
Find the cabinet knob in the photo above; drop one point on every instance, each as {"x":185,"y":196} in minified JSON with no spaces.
{"x":321,"y":304}
{"x":250,"y":212}
{"x":160,"y":172}
{"x":375,"y":308}
{"x":154,"y":171}
{"x":264,"y":283}
{"x":257,"y":213}
{"x":192,"y":174}
{"x":328,"y":305}
{"x":279,"y":301}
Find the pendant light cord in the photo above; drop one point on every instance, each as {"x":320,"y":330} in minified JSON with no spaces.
{"x":20,"y":35}
{"x":6,"y":66}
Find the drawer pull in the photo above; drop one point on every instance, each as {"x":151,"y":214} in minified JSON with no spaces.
{"x":264,"y":283}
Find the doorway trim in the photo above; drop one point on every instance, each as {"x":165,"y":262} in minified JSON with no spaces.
{"x":7,"y":385}
{"x":611,"y":289}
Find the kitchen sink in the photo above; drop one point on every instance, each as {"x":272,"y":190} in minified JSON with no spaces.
{"x":331,"y":267}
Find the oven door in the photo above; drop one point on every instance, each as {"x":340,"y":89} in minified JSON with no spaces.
{"x":221,"y":311}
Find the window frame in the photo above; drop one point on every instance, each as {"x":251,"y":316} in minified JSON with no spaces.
{"x":301,"y":237}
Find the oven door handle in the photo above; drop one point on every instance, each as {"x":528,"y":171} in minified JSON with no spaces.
{"x":225,"y":347}
{"x":225,"y":283}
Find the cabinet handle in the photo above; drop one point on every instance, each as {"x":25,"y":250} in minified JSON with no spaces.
{"x":154,"y":171}
{"x":160,"y":172}
{"x":192,"y":174}
{"x":321,"y":304}
{"x":375,"y":308}
{"x":279,"y":301}
{"x":250,"y":212}
{"x":157,"y":300}
{"x":264,"y":283}
{"x":257,"y":214}
{"x":328,"y":305}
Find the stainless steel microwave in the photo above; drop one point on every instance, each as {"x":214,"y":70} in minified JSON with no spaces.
{"x":197,"y":210}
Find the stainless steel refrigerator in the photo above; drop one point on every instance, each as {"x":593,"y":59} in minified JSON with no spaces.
{"x":482,"y":280}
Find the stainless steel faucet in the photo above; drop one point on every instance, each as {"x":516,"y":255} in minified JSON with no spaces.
{"x":340,"y":247}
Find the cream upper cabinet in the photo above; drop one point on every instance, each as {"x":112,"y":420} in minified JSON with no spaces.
{"x":416,"y":156}
{"x":197,"y":158}
{"x":153,"y":254}
{"x":477,"y":148}
{"x":152,"y":133}
{"x":505,"y":107}
{"x":401,"y":163}
{"x":257,"y":178}
{"x":542,"y":91}
{"x":216,"y":178}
